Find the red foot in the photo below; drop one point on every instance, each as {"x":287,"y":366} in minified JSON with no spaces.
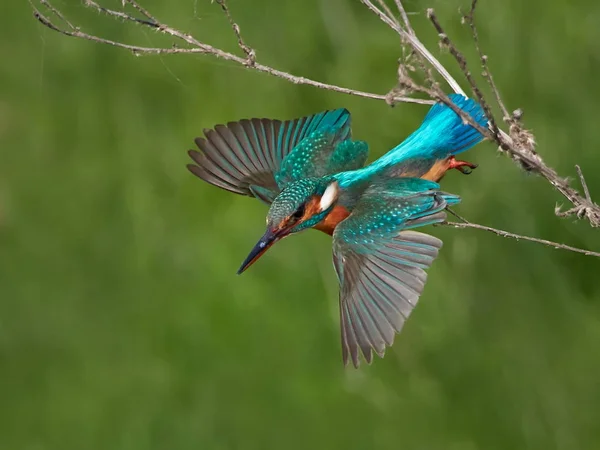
{"x":463,"y":166}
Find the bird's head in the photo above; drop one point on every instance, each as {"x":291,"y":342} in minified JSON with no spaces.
{"x":301,"y":205}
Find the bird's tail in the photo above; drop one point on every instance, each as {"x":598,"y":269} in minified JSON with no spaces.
{"x":443,"y":132}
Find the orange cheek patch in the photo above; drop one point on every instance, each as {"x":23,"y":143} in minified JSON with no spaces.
{"x":312,"y":208}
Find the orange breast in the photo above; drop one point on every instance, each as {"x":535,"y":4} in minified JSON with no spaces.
{"x":438,"y":170}
{"x":328,"y":224}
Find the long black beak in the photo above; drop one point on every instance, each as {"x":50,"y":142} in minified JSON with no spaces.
{"x":268,"y":239}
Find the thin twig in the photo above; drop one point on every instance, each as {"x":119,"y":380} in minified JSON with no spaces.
{"x":140,"y":9}
{"x":56,"y":12}
{"x":405,"y":18}
{"x":467,"y":224}
{"x":455,"y":214}
{"x":249,"y":52}
{"x":417,"y":45}
{"x":462,"y":62}
{"x":470,"y":20}
{"x":583,"y":210}
{"x":388,"y":11}
{"x":583,"y":183}
{"x":507,"y":234}
{"x":120,"y":15}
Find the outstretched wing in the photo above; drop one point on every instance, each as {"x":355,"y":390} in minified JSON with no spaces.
{"x":381,"y":264}
{"x":246,"y":157}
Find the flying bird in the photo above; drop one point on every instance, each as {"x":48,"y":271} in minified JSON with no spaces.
{"x":313,"y":175}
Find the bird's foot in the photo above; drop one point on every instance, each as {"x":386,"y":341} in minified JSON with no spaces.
{"x":464,"y":167}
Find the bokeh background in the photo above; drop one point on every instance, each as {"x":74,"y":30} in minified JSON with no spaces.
{"x":122,"y":322}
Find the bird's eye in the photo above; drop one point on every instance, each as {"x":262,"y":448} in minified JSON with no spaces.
{"x":299,"y":212}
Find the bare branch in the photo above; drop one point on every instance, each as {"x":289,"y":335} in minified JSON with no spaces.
{"x":518,"y":237}
{"x":198,"y":47}
{"x":506,"y":234}
{"x":133,"y":48}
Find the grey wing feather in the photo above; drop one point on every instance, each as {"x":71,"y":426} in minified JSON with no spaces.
{"x":379,"y":290}
{"x":244,"y":155}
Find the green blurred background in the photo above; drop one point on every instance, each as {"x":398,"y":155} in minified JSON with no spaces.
{"x":122,"y":322}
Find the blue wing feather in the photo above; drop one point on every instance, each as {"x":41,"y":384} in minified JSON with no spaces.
{"x":325,"y":151}
{"x":348,"y":155}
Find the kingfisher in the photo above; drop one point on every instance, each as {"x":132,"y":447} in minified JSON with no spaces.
{"x":313,"y":175}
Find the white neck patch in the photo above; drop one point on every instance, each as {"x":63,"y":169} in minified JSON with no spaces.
{"x":329,"y":196}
